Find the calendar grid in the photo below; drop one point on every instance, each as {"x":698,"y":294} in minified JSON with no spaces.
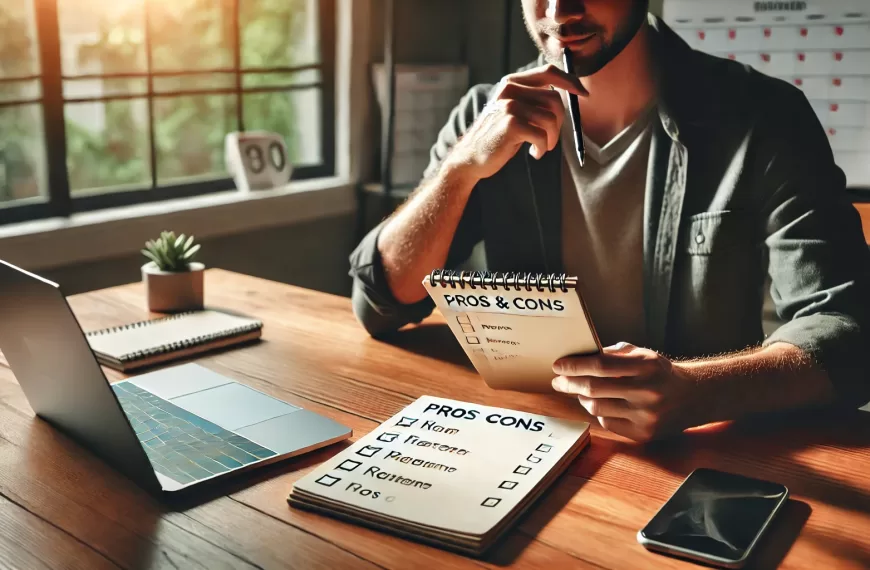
{"x":822,"y":48}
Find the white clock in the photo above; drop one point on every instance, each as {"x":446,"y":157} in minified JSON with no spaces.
{"x":257,"y":160}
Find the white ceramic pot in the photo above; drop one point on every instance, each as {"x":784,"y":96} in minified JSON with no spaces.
{"x":170,"y":291}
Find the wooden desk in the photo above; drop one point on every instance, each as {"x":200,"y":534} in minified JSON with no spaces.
{"x":864,"y":211}
{"x":61,"y":507}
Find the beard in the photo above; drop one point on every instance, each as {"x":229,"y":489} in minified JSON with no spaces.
{"x":603,"y":47}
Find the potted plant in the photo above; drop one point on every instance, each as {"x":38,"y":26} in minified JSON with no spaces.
{"x":173,"y":280}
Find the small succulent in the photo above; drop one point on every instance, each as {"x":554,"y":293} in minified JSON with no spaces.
{"x":171,"y":253}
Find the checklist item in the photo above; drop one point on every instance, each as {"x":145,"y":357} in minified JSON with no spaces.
{"x":368,"y":451}
{"x":490,"y":502}
{"x":327,"y":480}
{"x":348,"y":465}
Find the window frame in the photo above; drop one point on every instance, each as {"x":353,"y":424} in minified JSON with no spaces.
{"x":59,"y":201}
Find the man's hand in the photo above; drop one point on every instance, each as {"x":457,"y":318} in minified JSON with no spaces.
{"x":632,"y":391}
{"x":526,"y":109}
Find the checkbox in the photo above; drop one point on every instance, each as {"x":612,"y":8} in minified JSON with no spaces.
{"x":388,"y":437}
{"x":522,"y":470}
{"x":472,"y":340}
{"x":406,"y":422}
{"x":507,"y":485}
{"x":463,"y":319}
{"x":544,"y":448}
{"x":348,"y":465}
{"x":490,"y":502}
{"x":532,"y":458}
{"x":467,"y":328}
{"x":327,"y":480}
{"x":368,"y":451}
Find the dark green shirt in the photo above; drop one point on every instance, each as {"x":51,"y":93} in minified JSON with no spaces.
{"x":742,"y":186}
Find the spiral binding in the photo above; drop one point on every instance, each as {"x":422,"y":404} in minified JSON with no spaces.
{"x":138,"y":325}
{"x":502,"y":280}
{"x":173,"y":346}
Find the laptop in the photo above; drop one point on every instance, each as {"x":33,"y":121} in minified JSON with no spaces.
{"x":167,"y":430}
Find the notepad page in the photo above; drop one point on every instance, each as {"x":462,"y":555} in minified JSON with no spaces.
{"x":515,"y":335}
{"x":446,"y":464}
{"x":163,"y":332}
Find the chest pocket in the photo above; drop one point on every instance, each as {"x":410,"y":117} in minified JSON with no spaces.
{"x":710,"y":233}
{"x":717,"y":284}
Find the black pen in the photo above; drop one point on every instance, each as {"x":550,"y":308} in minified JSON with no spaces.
{"x":574,"y":108}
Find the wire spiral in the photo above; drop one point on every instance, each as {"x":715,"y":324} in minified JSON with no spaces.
{"x":501,"y":280}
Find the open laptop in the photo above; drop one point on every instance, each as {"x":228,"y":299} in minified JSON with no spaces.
{"x":167,"y":430}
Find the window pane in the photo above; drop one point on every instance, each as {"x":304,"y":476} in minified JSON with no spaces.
{"x":195,"y":82}
{"x":19,"y":54}
{"x":307,"y":76}
{"x":279,"y":33}
{"x":108,"y":145}
{"x":295,"y":115}
{"x":19,"y":90}
{"x":99,"y":87}
{"x":22,"y":153}
{"x":101,"y":36}
{"x":190,"y":135}
{"x":191,"y":34}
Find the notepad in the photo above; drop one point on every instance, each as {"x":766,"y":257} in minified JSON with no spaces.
{"x":171,"y":338}
{"x":448,"y":473}
{"x":514,"y":326}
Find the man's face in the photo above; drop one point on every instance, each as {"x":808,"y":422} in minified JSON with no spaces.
{"x":596,"y":31}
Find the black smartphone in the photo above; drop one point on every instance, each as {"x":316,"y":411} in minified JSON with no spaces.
{"x":714,"y":517}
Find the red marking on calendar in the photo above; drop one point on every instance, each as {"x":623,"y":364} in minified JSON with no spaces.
{"x":798,"y":81}
{"x":802,"y":57}
{"x":765,"y":57}
{"x":766,"y":32}
{"x":804,"y":32}
{"x":732,"y":34}
{"x":838,"y":56}
{"x":837,"y":81}
{"x":732,"y":56}
{"x":701,"y":35}
{"x":838,"y":30}
{"x":832,"y":131}
{"x":834,"y":107}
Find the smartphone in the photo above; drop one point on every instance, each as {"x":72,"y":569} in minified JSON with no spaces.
{"x":714,"y":517}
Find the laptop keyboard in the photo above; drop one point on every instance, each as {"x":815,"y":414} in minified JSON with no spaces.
{"x":181,"y":445}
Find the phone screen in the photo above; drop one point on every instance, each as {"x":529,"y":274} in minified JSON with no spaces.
{"x":717,"y":514}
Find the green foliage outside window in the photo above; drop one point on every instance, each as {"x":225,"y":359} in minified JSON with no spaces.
{"x":19,"y":128}
{"x":186,"y":35}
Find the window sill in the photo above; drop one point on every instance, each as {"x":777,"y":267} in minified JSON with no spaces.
{"x":89,"y":236}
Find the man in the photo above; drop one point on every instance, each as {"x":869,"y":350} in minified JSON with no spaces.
{"x":702,"y":177}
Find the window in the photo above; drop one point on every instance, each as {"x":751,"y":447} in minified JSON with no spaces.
{"x":113,"y":102}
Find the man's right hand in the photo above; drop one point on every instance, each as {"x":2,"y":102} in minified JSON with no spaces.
{"x":526,"y":109}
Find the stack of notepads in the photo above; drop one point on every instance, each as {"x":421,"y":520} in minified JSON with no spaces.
{"x":452,"y":474}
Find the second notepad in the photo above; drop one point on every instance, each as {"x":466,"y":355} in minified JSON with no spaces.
{"x":453,"y":474}
{"x":514,"y":326}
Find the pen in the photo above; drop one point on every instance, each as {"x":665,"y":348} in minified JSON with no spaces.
{"x":574,"y":108}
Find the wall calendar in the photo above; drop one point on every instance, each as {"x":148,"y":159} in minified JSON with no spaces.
{"x":822,"y":47}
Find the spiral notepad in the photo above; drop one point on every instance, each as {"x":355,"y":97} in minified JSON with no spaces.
{"x":454,"y":474}
{"x":170,"y":338}
{"x":514,"y":326}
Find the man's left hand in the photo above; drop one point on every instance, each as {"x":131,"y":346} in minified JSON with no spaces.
{"x":634,"y":392}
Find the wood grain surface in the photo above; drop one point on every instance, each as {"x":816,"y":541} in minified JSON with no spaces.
{"x":864,"y":212}
{"x":61,"y":507}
